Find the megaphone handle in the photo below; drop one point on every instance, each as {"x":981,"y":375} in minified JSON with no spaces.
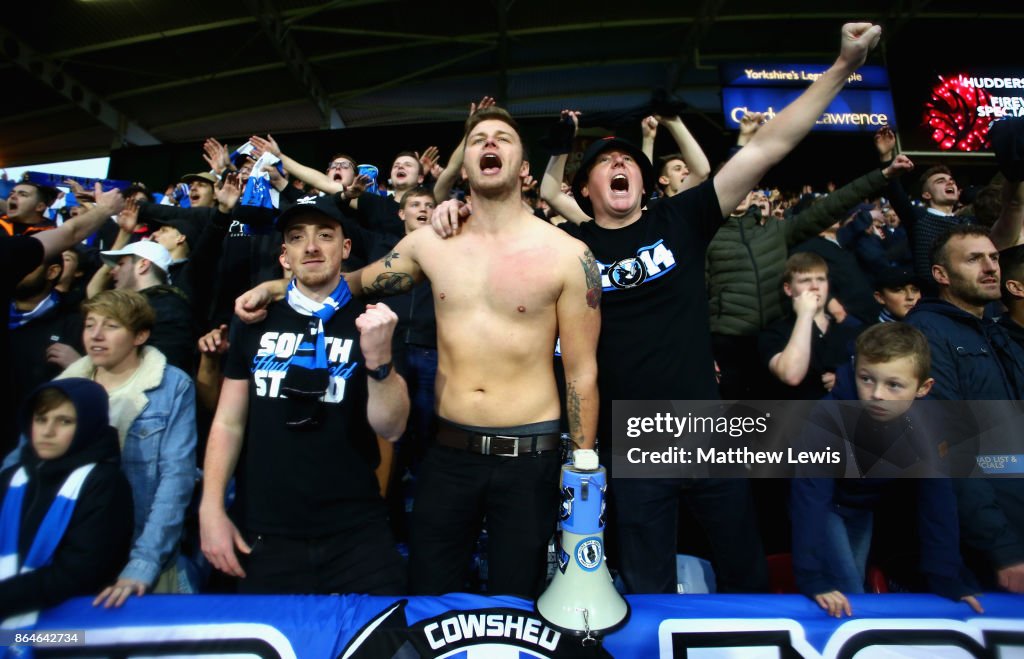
{"x":589,"y":640}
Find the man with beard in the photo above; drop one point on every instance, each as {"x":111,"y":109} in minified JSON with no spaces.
{"x":975,"y":358}
{"x":46,"y":335}
{"x":305,"y":390}
{"x":502,"y":292}
{"x":142,"y":267}
{"x":656,"y":342}
{"x":972,"y":358}
{"x":20,"y":255}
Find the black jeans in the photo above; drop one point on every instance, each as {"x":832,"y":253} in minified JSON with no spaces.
{"x":362,"y":559}
{"x":646,"y":519}
{"x":456,"y":490}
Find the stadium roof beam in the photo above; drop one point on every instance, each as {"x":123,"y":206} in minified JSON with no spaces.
{"x":705,"y":19}
{"x":300,"y":68}
{"x":394,"y":82}
{"x":45,"y":71}
{"x":202,"y":27}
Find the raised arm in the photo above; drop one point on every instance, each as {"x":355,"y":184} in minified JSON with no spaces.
{"x":551,"y":192}
{"x":452,"y":171}
{"x":127,"y":220}
{"x":694,"y":157}
{"x":579,"y":323}
{"x":446,"y":181}
{"x":216,"y":156}
{"x":750,"y":122}
{"x":82,"y":226}
{"x":825,"y":211}
{"x":81,"y":194}
{"x":885,"y":144}
{"x":551,"y":185}
{"x":387,"y":407}
{"x":791,"y":365}
{"x":649,"y":131}
{"x":778,"y":137}
{"x":307,"y":175}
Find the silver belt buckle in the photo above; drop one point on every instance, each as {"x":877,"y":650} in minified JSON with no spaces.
{"x":486,"y":445}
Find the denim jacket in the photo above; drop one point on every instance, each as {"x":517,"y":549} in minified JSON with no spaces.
{"x":157,"y":425}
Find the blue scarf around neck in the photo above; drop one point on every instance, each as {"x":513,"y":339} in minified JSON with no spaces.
{"x":307,"y":378}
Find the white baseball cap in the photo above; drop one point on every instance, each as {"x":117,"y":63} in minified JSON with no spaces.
{"x":154,"y":252}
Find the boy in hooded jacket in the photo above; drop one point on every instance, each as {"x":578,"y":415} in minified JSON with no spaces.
{"x":66,"y":517}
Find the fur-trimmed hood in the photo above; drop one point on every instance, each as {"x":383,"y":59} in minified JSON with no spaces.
{"x":126,"y":404}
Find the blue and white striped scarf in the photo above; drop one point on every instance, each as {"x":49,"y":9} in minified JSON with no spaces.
{"x":49,"y":535}
{"x":306,"y":378}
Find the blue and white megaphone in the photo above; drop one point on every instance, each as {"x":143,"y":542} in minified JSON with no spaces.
{"x":581,"y":600}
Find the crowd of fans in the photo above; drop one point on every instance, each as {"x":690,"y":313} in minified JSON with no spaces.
{"x":135,"y":394}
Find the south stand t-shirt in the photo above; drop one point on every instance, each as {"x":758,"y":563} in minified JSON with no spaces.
{"x":313,"y":482}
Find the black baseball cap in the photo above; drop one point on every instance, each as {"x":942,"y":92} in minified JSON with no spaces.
{"x":893,"y":278}
{"x":316,"y":204}
{"x":590,"y":155}
{"x":186,"y":226}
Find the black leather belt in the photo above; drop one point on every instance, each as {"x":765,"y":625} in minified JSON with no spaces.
{"x":502,"y":445}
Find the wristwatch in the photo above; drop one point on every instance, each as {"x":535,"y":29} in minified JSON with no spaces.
{"x":380,"y":372}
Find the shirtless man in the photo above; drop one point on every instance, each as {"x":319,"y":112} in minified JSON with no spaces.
{"x":655,"y":335}
{"x":502,"y":292}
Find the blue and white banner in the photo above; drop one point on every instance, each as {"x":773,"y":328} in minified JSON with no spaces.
{"x":65,"y":197}
{"x":57,"y":181}
{"x":473,"y":627}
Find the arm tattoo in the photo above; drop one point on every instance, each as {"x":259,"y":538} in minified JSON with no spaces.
{"x":572,"y":405}
{"x":593,"y":275}
{"x":389,"y":283}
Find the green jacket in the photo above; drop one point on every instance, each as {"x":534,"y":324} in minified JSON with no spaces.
{"x":745,"y":260}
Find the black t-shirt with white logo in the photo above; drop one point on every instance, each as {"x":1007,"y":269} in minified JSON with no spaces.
{"x":655,"y":338}
{"x":304,"y":482}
